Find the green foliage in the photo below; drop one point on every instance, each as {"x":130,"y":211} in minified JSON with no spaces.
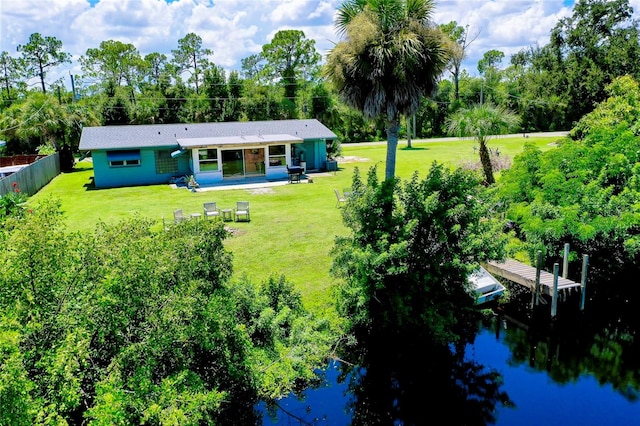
{"x":16,"y":404}
{"x":622,"y":107}
{"x":192,"y":58}
{"x":290,"y":58}
{"x":12,"y":203}
{"x":114,"y":63}
{"x":483,"y":121}
{"x":411,"y":248}
{"x":40,"y":54}
{"x":563,"y":80}
{"x":127,"y":325}
{"x":584,"y":193}
{"x":375,"y":69}
{"x":279,"y":326}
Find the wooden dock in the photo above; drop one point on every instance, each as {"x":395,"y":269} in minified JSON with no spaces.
{"x":525,"y":275}
{"x":551,"y":284}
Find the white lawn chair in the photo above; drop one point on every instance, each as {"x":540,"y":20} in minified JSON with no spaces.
{"x":242,"y":211}
{"x":341,"y":198}
{"x":211,"y":210}
{"x":178,"y":216}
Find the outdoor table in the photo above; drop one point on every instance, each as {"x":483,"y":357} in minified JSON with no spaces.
{"x":227,"y":215}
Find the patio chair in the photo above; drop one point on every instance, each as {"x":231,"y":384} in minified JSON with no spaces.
{"x":341,"y":198}
{"x":211,"y":210}
{"x":242,"y":211}
{"x":178,"y":216}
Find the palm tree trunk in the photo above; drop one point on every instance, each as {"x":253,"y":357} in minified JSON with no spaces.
{"x":485,"y":160}
{"x":392,"y":144}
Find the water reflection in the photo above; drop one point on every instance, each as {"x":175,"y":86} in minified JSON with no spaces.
{"x":397,"y":379}
{"x":600,"y":342}
{"x":408,"y":380}
{"x":582,"y":368}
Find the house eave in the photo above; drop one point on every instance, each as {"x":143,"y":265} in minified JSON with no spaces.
{"x":236,"y":141}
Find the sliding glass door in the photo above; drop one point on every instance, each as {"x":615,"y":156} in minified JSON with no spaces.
{"x":254,"y":162}
{"x":237,"y":163}
{"x":232,"y":163}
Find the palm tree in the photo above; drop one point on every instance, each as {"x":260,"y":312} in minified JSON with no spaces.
{"x":42,"y":118}
{"x":481,"y":121}
{"x":390,"y":57}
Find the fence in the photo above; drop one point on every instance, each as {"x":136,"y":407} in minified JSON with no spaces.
{"x":33,"y":177}
{"x":20,"y":159}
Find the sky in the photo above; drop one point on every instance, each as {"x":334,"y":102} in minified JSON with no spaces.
{"x":236,"y":29}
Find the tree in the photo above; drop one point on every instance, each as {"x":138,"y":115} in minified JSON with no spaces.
{"x":115,"y":108}
{"x":490,"y":61}
{"x":488,"y":69}
{"x":40,"y":54}
{"x":586,"y":51}
{"x":586,"y":193}
{"x":217,"y":92}
{"x":114,"y":64}
{"x":156,"y":68}
{"x":407,"y":272}
{"x":41,"y":120}
{"x":290,"y":57}
{"x":130,"y":324}
{"x":10,"y":73}
{"x":460,"y":42}
{"x":481,"y":122}
{"x":235,"y":86}
{"x":191,"y":57}
{"x":390,"y":58}
{"x":252,"y":66}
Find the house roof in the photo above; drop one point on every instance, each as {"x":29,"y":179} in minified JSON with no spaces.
{"x":229,"y":141}
{"x":167,"y":135}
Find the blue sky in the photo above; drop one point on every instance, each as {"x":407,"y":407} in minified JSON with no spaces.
{"x":235,"y":29}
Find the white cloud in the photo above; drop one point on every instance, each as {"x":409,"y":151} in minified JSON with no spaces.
{"x":288,"y":10}
{"x":504,"y":25}
{"x":235,"y":29}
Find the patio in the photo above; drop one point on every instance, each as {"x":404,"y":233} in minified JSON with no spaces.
{"x":251,"y":183}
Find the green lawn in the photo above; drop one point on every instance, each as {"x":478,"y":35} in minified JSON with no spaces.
{"x":292,"y":227}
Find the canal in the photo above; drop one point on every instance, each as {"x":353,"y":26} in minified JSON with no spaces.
{"x":583,"y":368}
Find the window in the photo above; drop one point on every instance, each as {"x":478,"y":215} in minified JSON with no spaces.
{"x":277,"y":156}
{"x":124,"y":158}
{"x":165,"y":163}
{"x":208,"y":159}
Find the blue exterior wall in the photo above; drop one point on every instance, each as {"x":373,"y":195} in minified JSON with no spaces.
{"x":209,"y":178}
{"x":105,"y":176}
{"x":314,"y":153}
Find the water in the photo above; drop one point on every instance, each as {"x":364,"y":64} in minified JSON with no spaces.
{"x":325,"y":405}
{"x":582,"y":372}
{"x":540,"y":398}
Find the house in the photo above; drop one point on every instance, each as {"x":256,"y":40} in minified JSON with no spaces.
{"x":212,"y":152}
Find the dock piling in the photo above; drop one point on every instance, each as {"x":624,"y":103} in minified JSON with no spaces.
{"x":538,"y":268}
{"x":583,"y":281}
{"x":565,"y":261}
{"x":554,"y":296}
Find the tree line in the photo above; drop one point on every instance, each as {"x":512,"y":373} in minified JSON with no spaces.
{"x":549,"y":87}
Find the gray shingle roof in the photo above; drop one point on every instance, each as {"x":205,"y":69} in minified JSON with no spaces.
{"x":166,"y":135}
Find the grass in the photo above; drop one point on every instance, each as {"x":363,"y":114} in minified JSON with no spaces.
{"x":292,"y":227}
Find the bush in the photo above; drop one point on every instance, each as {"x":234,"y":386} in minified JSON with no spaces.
{"x":12,"y":204}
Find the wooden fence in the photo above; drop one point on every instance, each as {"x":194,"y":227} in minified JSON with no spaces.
{"x":33,"y":177}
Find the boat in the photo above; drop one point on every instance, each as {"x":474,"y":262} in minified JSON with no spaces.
{"x":487,"y":287}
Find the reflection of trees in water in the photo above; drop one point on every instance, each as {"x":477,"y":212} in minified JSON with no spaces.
{"x":602,"y":341}
{"x":405,"y":379}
